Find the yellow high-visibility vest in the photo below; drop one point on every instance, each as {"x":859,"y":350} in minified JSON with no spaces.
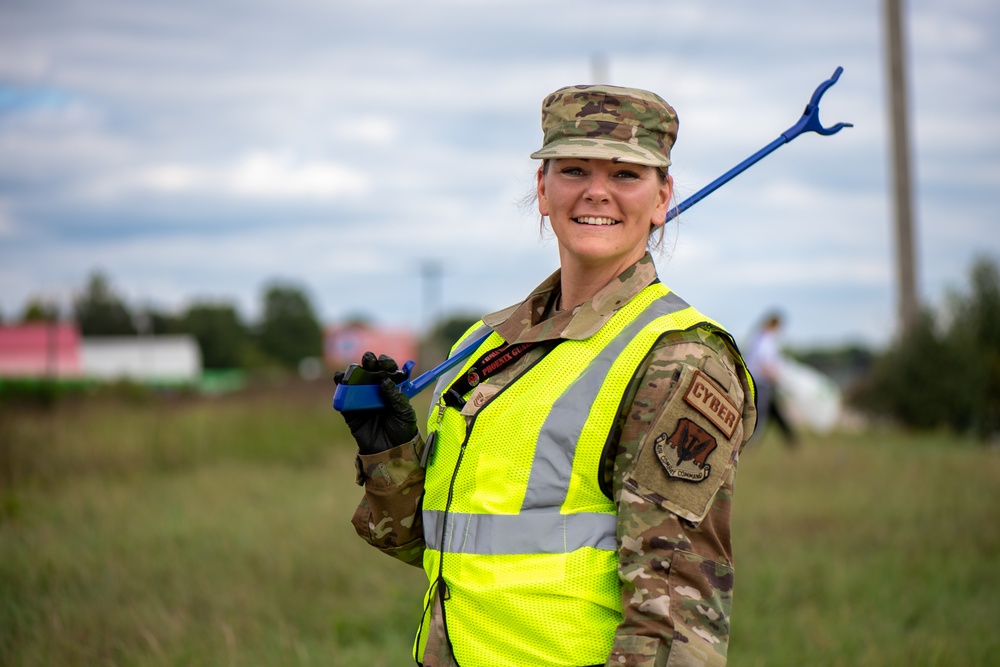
{"x":520,"y":539}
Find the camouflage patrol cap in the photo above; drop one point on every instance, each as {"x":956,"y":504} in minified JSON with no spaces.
{"x":608,"y":123}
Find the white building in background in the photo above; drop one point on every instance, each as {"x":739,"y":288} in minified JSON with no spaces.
{"x":174,"y":360}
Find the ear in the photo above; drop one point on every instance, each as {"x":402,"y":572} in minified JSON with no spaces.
{"x":663,"y":196}
{"x":543,"y":201}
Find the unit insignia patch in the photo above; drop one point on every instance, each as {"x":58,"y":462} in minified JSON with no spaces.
{"x":479,"y":397}
{"x":684,"y":453}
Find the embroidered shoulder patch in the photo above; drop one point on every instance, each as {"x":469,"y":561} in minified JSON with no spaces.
{"x":705,"y":396}
{"x":684,"y":453}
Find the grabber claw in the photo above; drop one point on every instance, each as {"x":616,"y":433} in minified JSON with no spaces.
{"x":810,"y":117}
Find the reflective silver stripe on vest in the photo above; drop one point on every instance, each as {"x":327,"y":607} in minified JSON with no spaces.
{"x":528,"y":533}
{"x":540,"y":527}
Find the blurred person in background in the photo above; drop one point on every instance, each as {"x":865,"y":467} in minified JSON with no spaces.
{"x":764,"y":359}
{"x":571,"y":501}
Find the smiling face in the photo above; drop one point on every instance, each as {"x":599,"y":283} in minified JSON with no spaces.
{"x":602,"y":212}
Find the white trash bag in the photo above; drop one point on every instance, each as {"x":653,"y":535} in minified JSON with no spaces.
{"x":810,"y":399}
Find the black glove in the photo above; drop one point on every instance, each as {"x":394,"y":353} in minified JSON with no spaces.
{"x":396,"y":424}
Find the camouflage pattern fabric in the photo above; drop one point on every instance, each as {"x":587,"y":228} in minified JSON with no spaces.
{"x":675,"y":557}
{"x":389,"y":514}
{"x":608,"y":123}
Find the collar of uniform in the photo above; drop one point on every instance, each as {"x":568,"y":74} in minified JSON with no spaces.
{"x":523,"y":323}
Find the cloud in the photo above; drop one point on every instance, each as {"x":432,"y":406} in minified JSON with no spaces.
{"x":258,"y":175}
{"x":266,"y":175}
{"x":8,"y":226}
{"x":372,"y":130}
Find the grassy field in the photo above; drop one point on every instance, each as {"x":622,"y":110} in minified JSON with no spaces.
{"x":216,"y":532}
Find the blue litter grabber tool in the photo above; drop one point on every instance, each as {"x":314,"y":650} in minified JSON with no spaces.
{"x":359,"y":389}
{"x":809,"y":122}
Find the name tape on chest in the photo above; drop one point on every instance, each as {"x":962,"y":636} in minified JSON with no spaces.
{"x":705,"y":396}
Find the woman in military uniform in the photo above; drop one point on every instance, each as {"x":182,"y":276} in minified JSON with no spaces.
{"x":570,"y":503}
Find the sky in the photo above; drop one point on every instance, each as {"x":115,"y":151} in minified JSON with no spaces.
{"x":375,"y":153}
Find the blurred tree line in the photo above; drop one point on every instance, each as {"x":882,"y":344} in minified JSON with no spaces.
{"x":942,"y":373}
{"x":287,"y":332}
{"x":945,"y":371}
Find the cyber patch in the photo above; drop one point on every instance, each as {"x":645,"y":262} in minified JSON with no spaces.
{"x":684,"y":454}
{"x":705,"y":396}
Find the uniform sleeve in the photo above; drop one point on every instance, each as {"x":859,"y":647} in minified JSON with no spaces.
{"x":673,"y":483}
{"x":388,"y":517}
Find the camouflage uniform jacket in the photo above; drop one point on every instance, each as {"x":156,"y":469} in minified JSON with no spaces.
{"x":675,"y":556}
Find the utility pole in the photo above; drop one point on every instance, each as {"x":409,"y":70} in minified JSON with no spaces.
{"x":431,"y":272}
{"x":599,"y":68}
{"x":430,"y":351}
{"x":903,"y":200}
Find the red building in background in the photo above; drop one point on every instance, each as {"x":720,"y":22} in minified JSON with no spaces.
{"x":57,"y":350}
{"x":344,"y":344}
{"x":40,"y":350}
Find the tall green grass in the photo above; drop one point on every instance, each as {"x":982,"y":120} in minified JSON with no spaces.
{"x":874,"y":549}
{"x":192,"y":533}
{"x":156,"y":532}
